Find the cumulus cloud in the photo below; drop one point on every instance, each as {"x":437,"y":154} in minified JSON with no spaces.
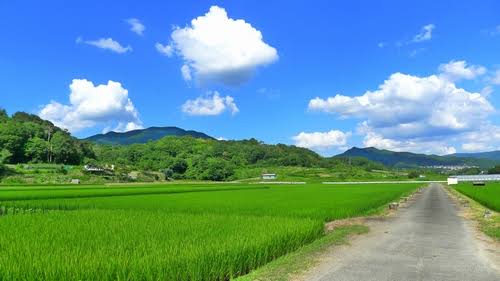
{"x":322,"y":140}
{"x":91,"y":105}
{"x":458,"y":70}
{"x":439,"y":147}
{"x":209,"y":105}
{"x":408,"y":111}
{"x":106,"y":44}
{"x":136,"y":26}
{"x":219,"y":49}
{"x":425,"y":33}
{"x":485,"y":138}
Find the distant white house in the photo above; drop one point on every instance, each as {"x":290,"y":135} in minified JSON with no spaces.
{"x":75,"y":181}
{"x":269,"y":176}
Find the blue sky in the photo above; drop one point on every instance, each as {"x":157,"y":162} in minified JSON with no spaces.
{"x":304,"y":82}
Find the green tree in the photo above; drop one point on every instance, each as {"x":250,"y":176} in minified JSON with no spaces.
{"x":413,"y":174}
{"x":36,"y":150}
{"x":5,"y":156}
{"x":64,"y":149}
{"x":179,"y":166}
{"x":3,"y":115}
{"x":494,"y":170}
{"x":217,"y":170}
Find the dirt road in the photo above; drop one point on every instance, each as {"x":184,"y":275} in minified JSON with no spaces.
{"x":425,"y":241}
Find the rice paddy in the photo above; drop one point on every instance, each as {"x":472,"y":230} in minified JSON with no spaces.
{"x":488,"y":195}
{"x":181,"y":232}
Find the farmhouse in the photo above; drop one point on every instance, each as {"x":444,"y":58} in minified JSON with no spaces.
{"x":269,"y":176}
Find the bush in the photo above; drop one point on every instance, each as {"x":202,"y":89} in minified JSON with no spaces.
{"x":413,"y":174}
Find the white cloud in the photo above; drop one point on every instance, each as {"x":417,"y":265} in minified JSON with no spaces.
{"x":425,"y":33}
{"x":106,"y":44}
{"x":485,"y":138}
{"x":166,"y":50}
{"x":136,"y":26}
{"x":408,"y":111}
{"x":495,"y":79}
{"x":89,"y":106}
{"x":322,"y":140}
{"x":216,"y":48}
{"x":422,"y":146}
{"x":210,"y":104}
{"x":486,"y":91}
{"x":186,"y":73}
{"x":458,"y":70}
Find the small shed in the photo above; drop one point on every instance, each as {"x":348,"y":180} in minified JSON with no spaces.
{"x":269,"y":176}
{"x":75,"y":181}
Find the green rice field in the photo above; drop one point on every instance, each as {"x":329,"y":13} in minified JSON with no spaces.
{"x":168,"y":232}
{"x":488,"y":195}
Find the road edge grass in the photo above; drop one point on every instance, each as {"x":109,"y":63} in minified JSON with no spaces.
{"x":489,"y":226}
{"x":284,"y":267}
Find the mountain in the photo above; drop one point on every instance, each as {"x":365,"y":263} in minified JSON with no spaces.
{"x":492,"y":155}
{"x":144,"y":135}
{"x":408,"y":159}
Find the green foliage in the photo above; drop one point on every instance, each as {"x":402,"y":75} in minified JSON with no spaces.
{"x":3,"y":115}
{"x":27,"y":138}
{"x":5,"y":156}
{"x":208,"y":159}
{"x":494,"y":170}
{"x":36,"y":149}
{"x":413,"y":174}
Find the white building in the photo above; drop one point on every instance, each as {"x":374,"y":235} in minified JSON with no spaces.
{"x":472,"y":178}
{"x":269,"y":176}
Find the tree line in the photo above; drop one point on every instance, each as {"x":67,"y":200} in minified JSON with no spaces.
{"x":26,"y":138}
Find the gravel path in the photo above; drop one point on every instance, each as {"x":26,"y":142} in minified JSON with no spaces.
{"x":425,"y":241}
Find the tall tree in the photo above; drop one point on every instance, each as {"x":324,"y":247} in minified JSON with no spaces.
{"x":36,"y":150}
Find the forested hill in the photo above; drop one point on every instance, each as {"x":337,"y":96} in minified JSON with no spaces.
{"x":144,"y":135}
{"x":492,"y":155}
{"x":27,"y":138}
{"x":209,"y":159}
{"x":408,"y":159}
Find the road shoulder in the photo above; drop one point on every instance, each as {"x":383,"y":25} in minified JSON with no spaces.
{"x":483,"y":226}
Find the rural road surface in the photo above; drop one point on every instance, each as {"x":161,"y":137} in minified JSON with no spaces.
{"x":425,"y":241}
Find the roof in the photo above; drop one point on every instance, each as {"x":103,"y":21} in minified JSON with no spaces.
{"x":495,"y":177}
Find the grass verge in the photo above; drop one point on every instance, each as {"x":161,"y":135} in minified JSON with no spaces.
{"x":488,"y":225}
{"x":296,"y":262}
